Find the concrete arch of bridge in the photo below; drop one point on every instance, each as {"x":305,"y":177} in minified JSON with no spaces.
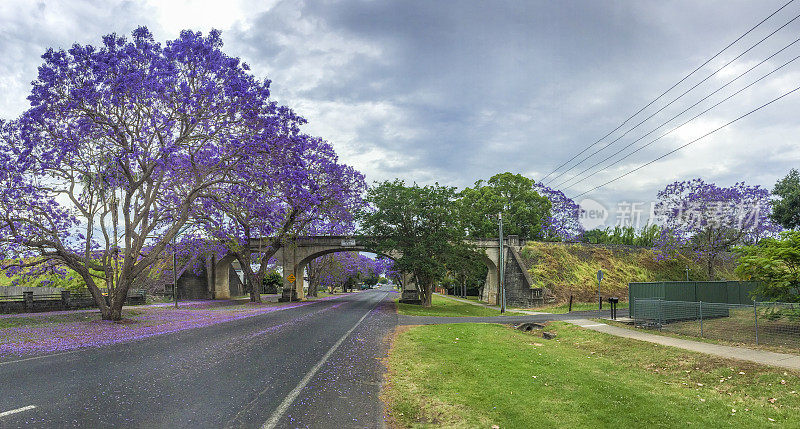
{"x":492,"y":284}
{"x":301,"y":266}
{"x":222,"y":269}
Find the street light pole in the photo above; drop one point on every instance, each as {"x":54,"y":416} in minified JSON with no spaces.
{"x":502,"y":268}
{"x":174,"y":273}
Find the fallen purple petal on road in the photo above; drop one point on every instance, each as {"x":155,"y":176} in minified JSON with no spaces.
{"x":147,"y":322}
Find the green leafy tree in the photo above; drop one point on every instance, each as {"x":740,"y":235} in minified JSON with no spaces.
{"x":596,"y":236}
{"x":786,"y":208}
{"x":524,"y":210}
{"x":466,"y":270}
{"x":371,"y":280}
{"x":626,"y":235}
{"x":271,"y":282}
{"x":775,"y":263}
{"x":419,"y":222}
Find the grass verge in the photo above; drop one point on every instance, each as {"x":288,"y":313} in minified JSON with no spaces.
{"x":479,"y":375}
{"x":446,"y":307}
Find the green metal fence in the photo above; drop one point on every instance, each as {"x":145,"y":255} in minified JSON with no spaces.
{"x":729,"y":292}
{"x":763,"y":323}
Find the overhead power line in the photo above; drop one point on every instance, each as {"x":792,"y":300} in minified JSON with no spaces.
{"x":669,"y":89}
{"x":577,"y":176}
{"x":689,"y":143}
{"x":679,"y":97}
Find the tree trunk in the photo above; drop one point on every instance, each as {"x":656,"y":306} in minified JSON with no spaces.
{"x":711,"y":258}
{"x":116,"y":299}
{"x":255,"y":287}
{"x":427,"y":295}
{"x":312,"y":287}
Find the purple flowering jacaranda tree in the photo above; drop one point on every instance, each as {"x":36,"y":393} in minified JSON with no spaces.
{"x":706,"y":220}
{"x":564,"y":221}
{"x":119,"y":143}
{"x":294,"y":186}
{"x":341,"y":269}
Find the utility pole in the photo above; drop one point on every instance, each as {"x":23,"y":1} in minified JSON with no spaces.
{"x":687,"y":273}
{"x":174,"y":272}
{"x":502,"y":268}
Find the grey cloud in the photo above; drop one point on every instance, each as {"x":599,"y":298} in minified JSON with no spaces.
{"x":458,"y":91}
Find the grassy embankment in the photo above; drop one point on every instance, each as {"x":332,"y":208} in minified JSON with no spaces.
{"x":571,"y":269}
{"x":479,"y":375}
{"x":71,"y":282}
{"x":446,"y":307}
{"x":560,"y":308}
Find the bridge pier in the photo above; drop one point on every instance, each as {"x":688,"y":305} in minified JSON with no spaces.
{"x":290,"y":260}
{"x":222,"y":289}
{"x":410,"y":293}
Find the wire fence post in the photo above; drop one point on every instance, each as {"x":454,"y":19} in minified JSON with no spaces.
{"x":701,"y":319}
{"x":755,"y":319}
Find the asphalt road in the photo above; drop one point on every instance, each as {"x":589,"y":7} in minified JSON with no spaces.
{"x":312,"y":366}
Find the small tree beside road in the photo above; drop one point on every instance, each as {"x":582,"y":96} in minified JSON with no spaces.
{"x":420,"y":223}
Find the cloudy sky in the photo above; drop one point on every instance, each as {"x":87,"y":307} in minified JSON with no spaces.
{"x":455,"y":91}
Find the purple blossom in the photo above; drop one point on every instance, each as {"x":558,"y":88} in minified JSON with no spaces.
{"x":563,"y":222}
{"x":706,"y":220}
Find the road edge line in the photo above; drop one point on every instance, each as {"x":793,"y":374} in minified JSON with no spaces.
{"x":18,"y":410}
{"x":292,"y":396}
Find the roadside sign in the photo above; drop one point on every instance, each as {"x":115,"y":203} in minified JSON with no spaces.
{"x":599,"y":275}
{"x":291,"y":278}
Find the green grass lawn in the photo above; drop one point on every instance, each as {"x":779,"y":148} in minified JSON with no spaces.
{"x":479,"y":375}
{"x":576,"y":306}
{"x":446,"y":307}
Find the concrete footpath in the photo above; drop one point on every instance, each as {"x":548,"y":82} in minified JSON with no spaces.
{"x":764,"y":357}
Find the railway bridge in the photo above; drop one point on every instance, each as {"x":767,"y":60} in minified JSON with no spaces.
{"x":294,"y":257}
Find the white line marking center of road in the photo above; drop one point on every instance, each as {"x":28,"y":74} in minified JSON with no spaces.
{"x":18,"y":410}
{"x":290,"y":398}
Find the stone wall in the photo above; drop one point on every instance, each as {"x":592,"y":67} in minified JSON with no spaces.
{"x":193,"y":285}
{"x":235,"y":283}
{"x":18,"y":290}
{"x":518,"y":283}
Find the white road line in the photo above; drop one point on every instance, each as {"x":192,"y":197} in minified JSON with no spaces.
{"x":43,"y":356}
{"x":18,"y":410}
{"x":290,"y":398}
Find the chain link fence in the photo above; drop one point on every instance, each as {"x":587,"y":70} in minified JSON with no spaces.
{"x":762,"y":323}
